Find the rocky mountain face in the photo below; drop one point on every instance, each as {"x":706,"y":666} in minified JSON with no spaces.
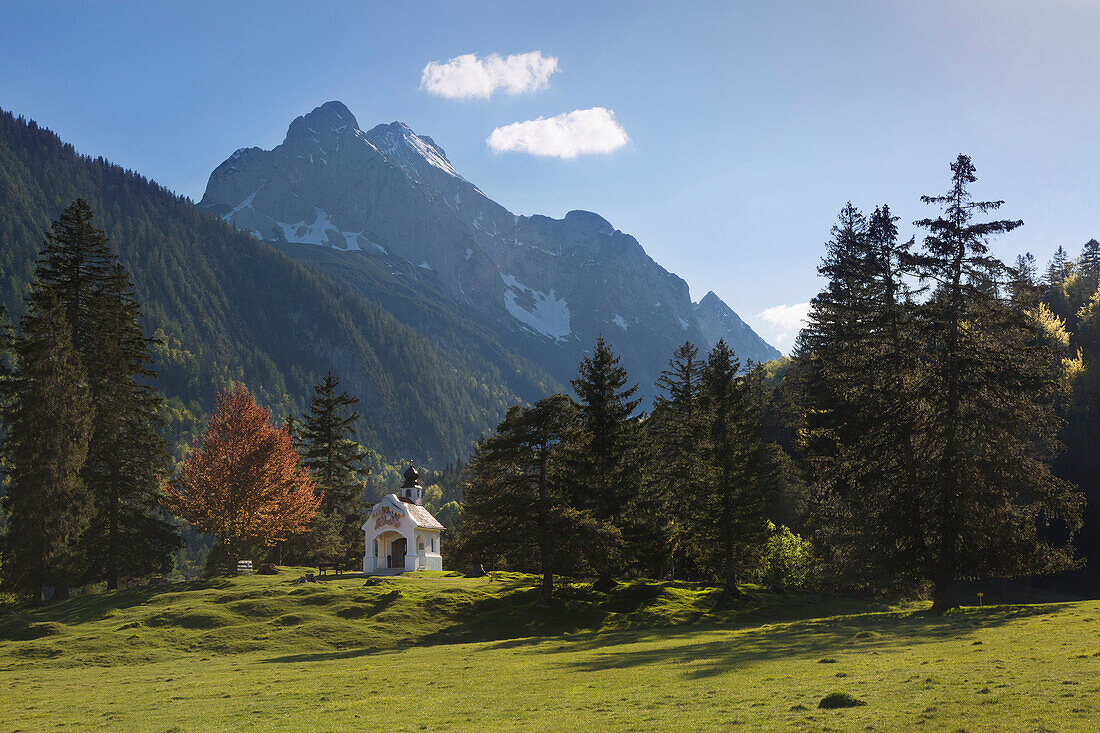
{"x":389,"y":202}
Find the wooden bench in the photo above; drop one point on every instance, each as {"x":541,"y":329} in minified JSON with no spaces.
{"x":244,"y":567}
{"x":336,"y":567}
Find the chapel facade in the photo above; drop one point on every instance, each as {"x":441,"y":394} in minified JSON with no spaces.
{"x":401,"y":535}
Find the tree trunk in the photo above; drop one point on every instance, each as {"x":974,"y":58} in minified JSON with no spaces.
{"x":112,"y":539}
{"x":546,"y":590}
{"x":944,"y":595}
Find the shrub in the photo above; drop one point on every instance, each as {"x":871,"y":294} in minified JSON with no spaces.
{"x":840,"y":700}
{"x":787,"y":559}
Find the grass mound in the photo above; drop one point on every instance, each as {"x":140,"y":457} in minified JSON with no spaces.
{"x":840,"y":700}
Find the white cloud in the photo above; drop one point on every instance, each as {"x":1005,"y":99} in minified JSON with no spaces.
{"x":785,"y":321}
{"x":467,"y":76}
{"x":564,"y":136}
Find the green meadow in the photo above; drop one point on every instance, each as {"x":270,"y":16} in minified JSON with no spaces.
{"x":442,"y":652}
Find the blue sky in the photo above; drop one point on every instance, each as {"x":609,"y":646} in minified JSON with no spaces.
{"x":749,"y":124}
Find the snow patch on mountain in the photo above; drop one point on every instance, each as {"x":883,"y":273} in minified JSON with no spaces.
{"x":398,"y":143}
{"x":321,"y":233}
{"x":246,"y":204}
{"x":543,"y":313}
{"x":620,"y":322}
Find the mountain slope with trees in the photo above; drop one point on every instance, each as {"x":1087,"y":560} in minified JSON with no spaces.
{"x":227,"y":308}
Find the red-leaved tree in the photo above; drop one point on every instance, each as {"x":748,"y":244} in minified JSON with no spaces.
{"x":242,"y":481}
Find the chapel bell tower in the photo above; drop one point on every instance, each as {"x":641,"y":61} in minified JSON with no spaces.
{"x":412,"y":491}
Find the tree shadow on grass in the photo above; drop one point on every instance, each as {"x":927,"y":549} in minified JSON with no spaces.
{"x":97,"y":606}
{"x":822,"y":640}
{"x":515,"y":619}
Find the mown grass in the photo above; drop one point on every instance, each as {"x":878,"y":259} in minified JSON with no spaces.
{"x":440,"y":652}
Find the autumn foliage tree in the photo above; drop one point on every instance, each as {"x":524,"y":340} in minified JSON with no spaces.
{"x":243,"y":481}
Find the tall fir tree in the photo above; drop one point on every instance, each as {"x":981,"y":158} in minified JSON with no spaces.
{"x":674,"y":434}
{"x":991,"y":429}
{"x":603,"y":460}
{"x":833,"y":352}
{"x":128,"y":534}
{"x":604,"y":472}
{"x":48,"y":419}
{"x":516,"y":511}
{"x":1089,"y":261}
{"x":729,"y":519}
{"x":335,"y":461}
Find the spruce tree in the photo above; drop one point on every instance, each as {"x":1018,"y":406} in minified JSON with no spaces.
{"x":603,"y":462}
{"x":335,"y":460}
{"x":1089,"y":261}
{"x":834,"y":352}
{"x":674,"y":433}
{"x":48,"y":419}
{"x":991,"y":429}
{"x":516,"y":510}
{"x":729,"y":517}
{"x":128,"y":535}
{"x":604,"y":459}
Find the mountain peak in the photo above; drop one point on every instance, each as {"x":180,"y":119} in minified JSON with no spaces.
{"x":410,"y":151}
{"x":331,"y":118}
{"x":711,"y":300}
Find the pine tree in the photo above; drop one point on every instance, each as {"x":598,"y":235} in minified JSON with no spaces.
{"x":129,"y":535}
{"x":604,"y":466}
{"x":335,"y":460}
{"x":243,"y":482}
{"x":675,"y":432}
{"x":834,"y":352}
{"x":1089,"y":261}
{"x":75,"y":263}
{"x":603,"y":461}
{"x":1058,"y":268}
{"x":991,"y":428}
{"x":730,"y":518}
{"x":515,"y":509}
{"x":48,"y":420}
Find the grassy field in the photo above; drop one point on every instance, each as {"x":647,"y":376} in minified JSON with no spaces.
{"x":437,"y":652}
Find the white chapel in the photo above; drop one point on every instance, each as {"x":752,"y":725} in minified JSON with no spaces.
{"x":401,"y":535}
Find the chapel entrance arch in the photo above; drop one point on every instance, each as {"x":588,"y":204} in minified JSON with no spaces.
{"x":398,"y":549}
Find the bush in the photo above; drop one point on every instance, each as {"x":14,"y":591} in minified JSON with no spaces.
{"x":787,"y":559}
{"x":840,"y":700}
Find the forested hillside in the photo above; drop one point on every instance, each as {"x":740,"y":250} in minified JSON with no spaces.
{"x":229,"y":308}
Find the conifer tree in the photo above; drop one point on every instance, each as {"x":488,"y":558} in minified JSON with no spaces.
{"x":604,"y":466}
{"x":127,"y":534}
{"x":603,"y":460}
{"x":48,"y":421}
{"x":515,"y":508}
{"x":335,"y":461}
{"x":1089,"y":261}
{"x":1058,"y":269}
{"x":729,"y":518}
{"x":990,"y":425}
{"x":675,"y":431}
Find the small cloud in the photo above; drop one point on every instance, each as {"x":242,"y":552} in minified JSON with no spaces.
{"x":785,"y":319}
{"x":467,"y":76}
{"x":567,"y":135}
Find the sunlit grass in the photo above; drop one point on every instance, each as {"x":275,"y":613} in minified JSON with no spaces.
{"x":439,"y":652}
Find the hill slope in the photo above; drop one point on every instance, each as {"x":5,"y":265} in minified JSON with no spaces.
{"x":231,"y":308}
{"x":439,"y":652}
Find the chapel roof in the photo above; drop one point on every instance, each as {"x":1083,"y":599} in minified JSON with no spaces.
{"x":422,"y":517}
